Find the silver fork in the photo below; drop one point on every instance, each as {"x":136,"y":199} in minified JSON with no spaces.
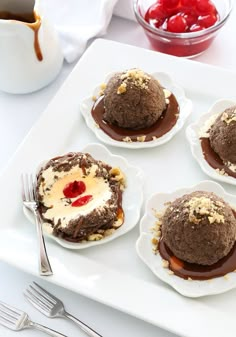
{"x":17,"y":320}
{"x":52,"y":307}
{"x":30,"y":201}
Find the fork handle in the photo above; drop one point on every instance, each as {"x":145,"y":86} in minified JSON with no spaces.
{"x":44,"y":264}
{"x":48,"y":331}
{"x":89,"y":331}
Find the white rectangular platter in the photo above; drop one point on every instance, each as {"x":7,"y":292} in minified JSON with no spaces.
{"x":112,"y":273}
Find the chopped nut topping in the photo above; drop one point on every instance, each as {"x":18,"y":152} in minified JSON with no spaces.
{"x":165,"y":264}
{"x":137,"y":76}
{"x":221,"y":172}
{"x":117,"y":175}
{"x":229,"y":118}
{"x":127,"y":140}
{"x":204,"y":206}
{"x":231,"y":166}
{"x":141,"y":138}
{"x":155,"y":241}
{"x":167,"y":93}
{"x":109,"y":231}
{"x":122,"y":88}
{"x":103,"y":86}
{"x":94,"y":98}
{"x":95,"y":237}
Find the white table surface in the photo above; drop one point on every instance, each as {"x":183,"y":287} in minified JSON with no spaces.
{"x":18,"y":113}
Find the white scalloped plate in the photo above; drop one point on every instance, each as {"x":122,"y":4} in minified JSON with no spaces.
{"x":192,"y":134}
{"x":131,"y":201}
{"x":154,"y":262}
{"x":166,"y":81}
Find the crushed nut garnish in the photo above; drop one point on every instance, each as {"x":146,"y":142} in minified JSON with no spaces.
{"x":141,"y":138}
{"x":127,"y":140}
{"x":204,"y":206}
{"x":103,"y":86}
{"x":94,"y":98}
{"x":95,"y":237}
{"x":165,"y":264}
{"x":167,"y":93}
{"x":137,"y":77}
{"x":122,"y":88}
{"x":227,"y":118}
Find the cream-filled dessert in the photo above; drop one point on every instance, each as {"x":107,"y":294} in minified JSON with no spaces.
{"x":80,"y":197}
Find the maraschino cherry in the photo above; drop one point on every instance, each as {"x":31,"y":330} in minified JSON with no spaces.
{"x":182,"y":16}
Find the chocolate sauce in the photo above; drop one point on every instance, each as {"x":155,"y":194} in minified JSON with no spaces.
{"x":32,"y":20}
{"x":164,"y":124}
{"x":213,"y":158}
{"x":194,"y":271}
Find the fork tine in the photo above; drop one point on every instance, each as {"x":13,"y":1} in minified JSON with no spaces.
{"x":43,"y":297}
{"x":30,"y":187}
{"x":9,"y":310}
{"x":36,"y":301}
{"x":4,"y":321}
{"x":23,"y":187}
{"x":46,"y":294}
{"x":34,"y":184}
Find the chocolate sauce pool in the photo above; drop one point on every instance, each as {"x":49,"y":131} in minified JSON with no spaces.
{"x":213,"y":159}
{"x":164,"y":124}
{"x":194,"y":271}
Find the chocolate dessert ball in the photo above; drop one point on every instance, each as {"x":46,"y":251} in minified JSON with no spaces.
{"x":199,"y":228}
{"x":223,"y":135}
{"x":133,"y":99}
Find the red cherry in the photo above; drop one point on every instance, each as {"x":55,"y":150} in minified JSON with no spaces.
{"x":177,"y":24}
{"x":195,"y":28}
{"x":188,"y":3}
{"x":73,"y":189}
{"x":207,"y":20}
{"x":190,"y":17}
{"x":205,"y":7}
{"x":81,"y":201}
{"x":157,"y":23}
{"x":156,"y":11}
{"x":170,"y":4}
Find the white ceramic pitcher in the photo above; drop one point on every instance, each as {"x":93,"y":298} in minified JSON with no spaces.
{"x":30,"y":55}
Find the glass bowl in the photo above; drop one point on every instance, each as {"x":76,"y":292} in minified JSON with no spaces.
{"x":187,"y":44}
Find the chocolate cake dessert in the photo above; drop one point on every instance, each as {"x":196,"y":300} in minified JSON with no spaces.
{"x":80,"y":197}
{"x":199,"y":228}
{"x":222,"y":135}
{"x":133,"y":99}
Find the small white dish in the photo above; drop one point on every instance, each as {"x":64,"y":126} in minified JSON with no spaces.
{"x":193,"y":132}
{"x":185,"y":105}
{"x":144,"y":245}
{"x":131,"y":200}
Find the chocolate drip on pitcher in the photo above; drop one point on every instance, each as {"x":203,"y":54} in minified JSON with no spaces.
{"x":32,"y":20}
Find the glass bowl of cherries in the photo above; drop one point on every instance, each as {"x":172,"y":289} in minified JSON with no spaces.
{"x":182,"y":27}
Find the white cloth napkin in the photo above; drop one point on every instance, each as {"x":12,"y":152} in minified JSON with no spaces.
{"x":76,"y":21}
